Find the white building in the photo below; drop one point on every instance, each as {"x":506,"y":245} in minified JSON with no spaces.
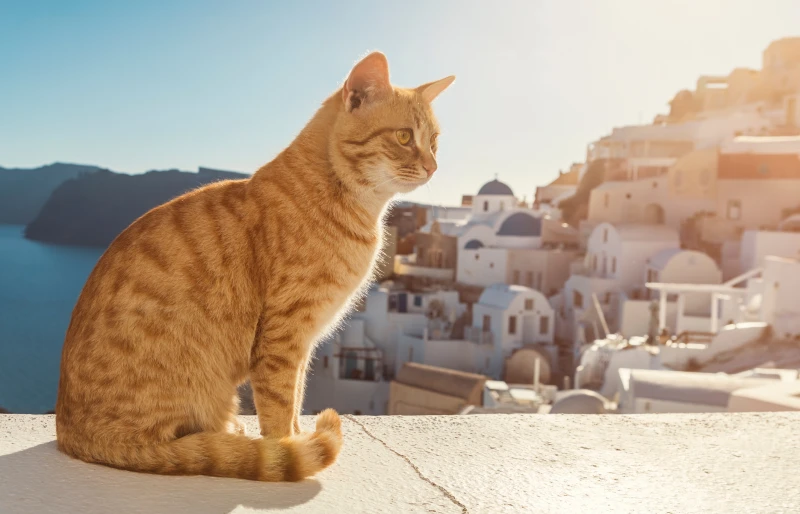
{"x":621,"y":252}
{"x":515,"y":316}
{"x":638,"y":314}
{"x":756,"y":245}
{"x":751,"y":170}
{"x":506,"y":320}
{"x":352,"y":368}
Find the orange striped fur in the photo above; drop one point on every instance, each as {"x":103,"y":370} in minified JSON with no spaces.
{"x":237,"y":280}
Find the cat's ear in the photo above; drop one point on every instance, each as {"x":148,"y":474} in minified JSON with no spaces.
{"x":431,"y":90}
{"x":368,"y":81}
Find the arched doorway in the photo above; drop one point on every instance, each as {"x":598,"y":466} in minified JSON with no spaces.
{"x":653,"y":214}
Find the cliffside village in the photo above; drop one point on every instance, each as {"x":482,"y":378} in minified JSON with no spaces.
{"x":660,"y":275}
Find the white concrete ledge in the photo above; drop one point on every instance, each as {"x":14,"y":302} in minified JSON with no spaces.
{"x":492,"y":463}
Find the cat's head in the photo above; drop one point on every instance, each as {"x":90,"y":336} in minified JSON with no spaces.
{"x":386,"y":136}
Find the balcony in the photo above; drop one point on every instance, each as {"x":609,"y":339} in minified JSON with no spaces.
{"x":478,"y":335}
{"x":728,"y":463}
{"x":407,"y":265}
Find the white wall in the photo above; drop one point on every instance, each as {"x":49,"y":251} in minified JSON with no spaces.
{"x":634,"y":319}
{"x":780,"y":305}
{"x":482,"y":267}
{"x":633,"y":260}
{"x":496,"y":203}
{"x":757,"y":245}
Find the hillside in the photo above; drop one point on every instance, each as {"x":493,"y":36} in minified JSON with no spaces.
{"x":92,"y":209}
{"x":23,"y":191}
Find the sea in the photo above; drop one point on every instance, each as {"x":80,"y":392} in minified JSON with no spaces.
{"x":39,"y":285}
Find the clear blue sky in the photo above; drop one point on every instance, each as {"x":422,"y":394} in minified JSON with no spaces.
{"x":148,"y":84}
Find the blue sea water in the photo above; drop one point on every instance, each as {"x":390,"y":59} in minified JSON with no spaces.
{"x":39,"y":285}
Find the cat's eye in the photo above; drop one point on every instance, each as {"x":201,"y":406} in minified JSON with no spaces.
{"x":403,"y":136}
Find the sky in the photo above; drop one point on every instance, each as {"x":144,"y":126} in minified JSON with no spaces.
{"x":135,"y":86}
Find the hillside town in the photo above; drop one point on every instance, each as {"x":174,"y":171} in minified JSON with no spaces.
{"x":659,"y":275}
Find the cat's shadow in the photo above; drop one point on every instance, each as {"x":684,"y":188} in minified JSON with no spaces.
{"x":42,"y":479}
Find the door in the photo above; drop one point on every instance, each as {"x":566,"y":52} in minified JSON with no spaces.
{"x":528,"y":329}
{"x":350,"y":364}
{"x":402,"y":302}
{"x":369,"y":369}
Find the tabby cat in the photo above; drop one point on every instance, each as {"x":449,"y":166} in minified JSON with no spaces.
{"x":237,"y":280}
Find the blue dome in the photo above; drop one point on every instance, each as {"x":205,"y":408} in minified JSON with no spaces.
{"x":521,"y":224}
{"x":495,"y":187}
{"x":473,"y":244}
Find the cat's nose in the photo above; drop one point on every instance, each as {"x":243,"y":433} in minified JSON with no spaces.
{"x":429,"y":163}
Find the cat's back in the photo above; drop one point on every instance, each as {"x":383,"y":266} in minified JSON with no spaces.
{"x":172,"y":276}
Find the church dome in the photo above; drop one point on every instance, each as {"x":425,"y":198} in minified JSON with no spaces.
{"x":495,"y":187}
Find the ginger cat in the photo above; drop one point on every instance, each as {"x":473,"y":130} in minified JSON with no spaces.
{"x":238,"y":280}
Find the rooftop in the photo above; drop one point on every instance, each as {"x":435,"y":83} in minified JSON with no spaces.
{"x":495,"y":187}
{"x":492,"y":463}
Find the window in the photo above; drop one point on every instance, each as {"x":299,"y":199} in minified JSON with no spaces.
{"x":628,"y":196}
{"x":516,"y":277}
{"x":487,"y":323}
{"x":652,"y":275}
{"x":577,"y":299}
{"x":763,"y":169}
{"x":410,"y":354}
{"x":417,"y":301}
{"x":544,"y":325}
{"x":392,"y":303}
{"x":539,"y":281}
{"x":325,"y":361}
{"x":606,"y":201}
{"x":477,"y":257}
{"x":529,"y":279}
{"x":512,"y":324}
{"x":502,"y":206}
{"x":486,"y":206}
{"x":605,"y":235}
{"x":613,"y":265}
{"x":594,"y":262}
{"x":491,"y":265}
{"x":734,"y":209}
{"x":528,"y":304}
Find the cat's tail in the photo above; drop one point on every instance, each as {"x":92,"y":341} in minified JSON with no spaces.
{"x":238,"y":456}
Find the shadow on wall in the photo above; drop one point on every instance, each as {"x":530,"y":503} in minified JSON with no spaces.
{"x":42,"y":479}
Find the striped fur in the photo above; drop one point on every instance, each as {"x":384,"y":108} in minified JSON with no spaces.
{"x":233,"y":281}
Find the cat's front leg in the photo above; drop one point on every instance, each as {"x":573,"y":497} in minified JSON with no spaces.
{"x":275,"y":368}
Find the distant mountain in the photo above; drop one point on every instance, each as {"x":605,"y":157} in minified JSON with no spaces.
{"x":92,"y":209}
{"x":23,"y":191}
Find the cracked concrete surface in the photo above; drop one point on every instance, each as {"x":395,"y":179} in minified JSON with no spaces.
{"x":490,"y":463}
